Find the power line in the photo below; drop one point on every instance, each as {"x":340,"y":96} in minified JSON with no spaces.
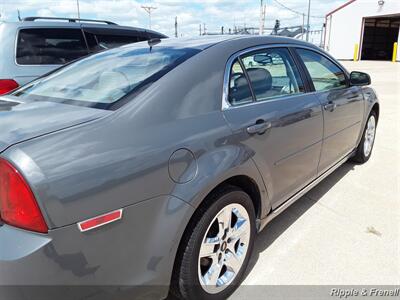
{"x":295,"y":11}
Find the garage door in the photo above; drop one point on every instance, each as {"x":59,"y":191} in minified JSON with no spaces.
{"x":379,"y":36}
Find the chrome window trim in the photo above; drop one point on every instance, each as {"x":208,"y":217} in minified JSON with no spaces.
{"x":225,"y":91}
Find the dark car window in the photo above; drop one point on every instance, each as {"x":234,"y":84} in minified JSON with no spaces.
{"x":112,"y":41}
{"x":272,"y":74}
{"x":102,"y":41}
{"x":99,"y":39}
{"x":325,"y":74}
{"x":53,"y":46}
{"x":239,"y":89}
{"x":101,"y":80}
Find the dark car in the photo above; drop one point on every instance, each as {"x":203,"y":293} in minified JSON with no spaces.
{"x":38,"y":45}
{"x":149,"y":168}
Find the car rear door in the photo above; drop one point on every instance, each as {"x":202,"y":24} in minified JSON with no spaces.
{"x":278,"y":123}
{"x":342,"y":105}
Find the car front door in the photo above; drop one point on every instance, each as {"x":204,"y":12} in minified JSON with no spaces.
{"x":342,"y":106}
{"x":276,"y":121}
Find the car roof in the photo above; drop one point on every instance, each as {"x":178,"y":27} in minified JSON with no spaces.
{"x":66,"y":24}
{"x":204,"y":42}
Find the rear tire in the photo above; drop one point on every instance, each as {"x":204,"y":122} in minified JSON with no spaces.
{"x":216,"y":246}
{"x":364,"y":149}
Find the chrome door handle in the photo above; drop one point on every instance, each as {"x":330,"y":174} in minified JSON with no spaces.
{"x":259,"y":128}
{"x":330,"y":106}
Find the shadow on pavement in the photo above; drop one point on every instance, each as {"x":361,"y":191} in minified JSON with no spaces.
{"x":282,"y":222}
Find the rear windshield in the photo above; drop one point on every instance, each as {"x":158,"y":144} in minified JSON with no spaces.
{"x":106,"y":79}
{"x":54,"y":46}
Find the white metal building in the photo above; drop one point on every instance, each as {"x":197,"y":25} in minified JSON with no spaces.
{"x":372,"y":25}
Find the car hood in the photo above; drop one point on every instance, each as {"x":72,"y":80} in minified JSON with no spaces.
{"x":21,"y":121}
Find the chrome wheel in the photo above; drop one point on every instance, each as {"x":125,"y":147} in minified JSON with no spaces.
{"x":224,"y":248}
{"x":369,"y":136}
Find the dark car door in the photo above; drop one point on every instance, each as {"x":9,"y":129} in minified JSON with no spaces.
{"x":278,"y":123}
{"x":342,"y":106}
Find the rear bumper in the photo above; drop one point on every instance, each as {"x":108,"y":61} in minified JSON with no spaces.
{"x":132,"y":257}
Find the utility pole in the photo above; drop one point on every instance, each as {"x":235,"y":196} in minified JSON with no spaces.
{"x":302,"y":28}
{"x":204,"y":29}
{"x":263,"y":9}
{"x":322,"y":35}
{"x":148,"y":9}
{"x":200,"y":29}
{"x":176,"y":27}
{"x":77,"y":6}
{"x":308,"y":21}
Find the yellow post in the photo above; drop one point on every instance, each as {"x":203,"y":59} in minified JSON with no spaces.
{"x":355,"y":56}
{"x":394,"y":52}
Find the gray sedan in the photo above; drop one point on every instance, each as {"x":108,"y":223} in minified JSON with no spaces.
{"x":152,"y":166}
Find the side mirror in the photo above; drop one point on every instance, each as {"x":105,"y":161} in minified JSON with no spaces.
{"x":359,"y":78}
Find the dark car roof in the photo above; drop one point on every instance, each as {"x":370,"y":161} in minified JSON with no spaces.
{"x":57,"y":24}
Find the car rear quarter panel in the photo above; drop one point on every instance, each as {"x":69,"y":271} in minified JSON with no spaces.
{"x":133,"y":256}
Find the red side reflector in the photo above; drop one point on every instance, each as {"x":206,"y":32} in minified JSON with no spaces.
{"x":100,"y":220}
{"x":7,"y":85}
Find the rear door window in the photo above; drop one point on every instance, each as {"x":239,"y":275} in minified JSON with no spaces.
{"x":50,"y":46}
{"x":239,"y":88}
{"x":272,"y":73}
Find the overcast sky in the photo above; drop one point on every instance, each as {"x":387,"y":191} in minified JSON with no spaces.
{"x":214,"y":13}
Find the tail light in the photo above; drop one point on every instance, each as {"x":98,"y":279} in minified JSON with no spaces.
{"x":7,"y":85}
{"x":18,"y":206}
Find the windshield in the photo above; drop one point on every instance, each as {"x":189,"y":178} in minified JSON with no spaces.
{"x":104,"y":79}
